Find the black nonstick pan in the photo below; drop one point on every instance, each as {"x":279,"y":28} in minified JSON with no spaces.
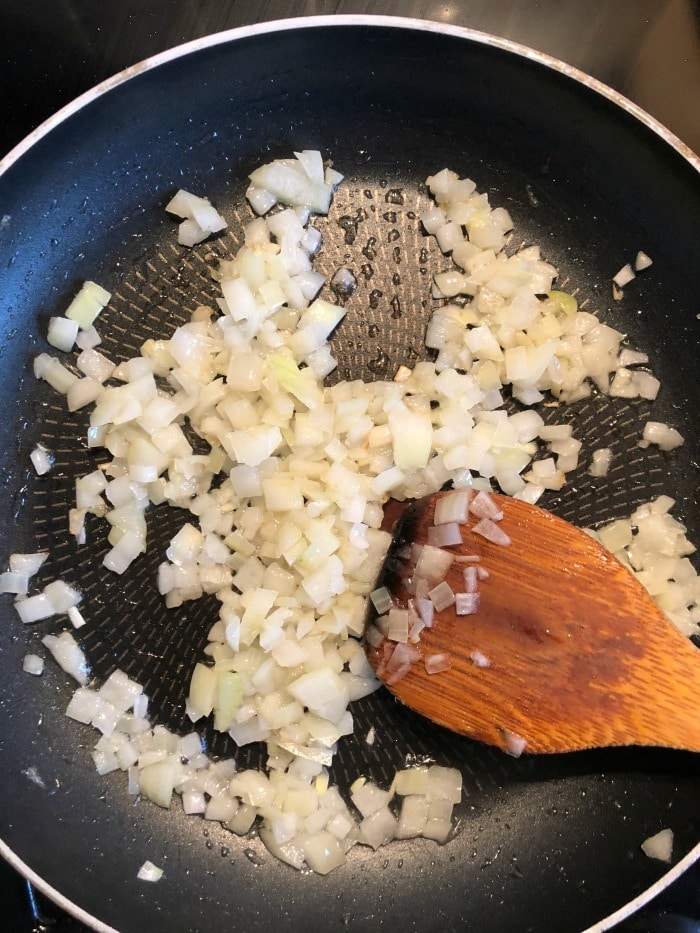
{"x":543,"y":844}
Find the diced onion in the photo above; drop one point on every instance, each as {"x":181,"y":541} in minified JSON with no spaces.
{"x":600,"y":462}
{"x":642,"y":261}
{"x":42,"y":460}
{"x":149,"y":872}
{"x":664,"y":436}
{"x":68,"y":654}
{"x":479,"y":659}
{"x":624,"y":276}
{"x":33,"y":664}
{"x":515,"y":744}
{"x":659,"y":846}
{"x":437,"y":663}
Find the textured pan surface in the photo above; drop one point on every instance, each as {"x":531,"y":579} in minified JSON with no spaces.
{"x":542,"y":844}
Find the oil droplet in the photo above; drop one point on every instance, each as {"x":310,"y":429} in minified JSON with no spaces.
{"x":349,"y":225}
{"x":209,"y":844}
{"x":224,"y":851}
{"x":368,"y":194}
{"x":362,"y":156}
{"x":423,"y":255}
{"x":374,"y":297}
{"x":390,"y":217}
{"x":367,"y":270}
{"x":395,"y":307}
{"x":393,"y":235}
{"x":343,"y":282}
{"x":396,"y":279}
{"x":369,"y":252}
{"x":394,"y":196}
{"x":531,"y":196}
{"x":373,"y":330}
{"x":380,"y":364}
{"x":396,"y":254}
{"x":253,"y":858}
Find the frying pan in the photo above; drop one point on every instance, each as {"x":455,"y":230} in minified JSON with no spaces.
{"x":542,"y":843}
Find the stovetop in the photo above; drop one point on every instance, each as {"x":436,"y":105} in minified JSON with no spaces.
{"x":647,"y":49}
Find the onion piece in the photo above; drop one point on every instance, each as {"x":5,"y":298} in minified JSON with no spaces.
{"x":479,"y":659}
{"x":62,"y":333}
{"x":484,"y":506}
{"x":642,"y":261}
{"x":42,"y":460}
{"x":466,"y":604}
{"x":600,"y":462}
{"x":447,"y":534}
{"x":437,"y":663}
{"x":68,"y":655}
{"x":33,"y":664}
{"x":149,"y":872}
{"x":13,"y":582}
{"x":453,"y":507}
{"x":624,"y":276}
{"x":28,"y":564}
{"x":88,"y":304}
{"x":515,"y":744}
{"x":442,"y":596}
{"x":491,"y":531}
{"x":659,"y":846}
{"x":664,"y":436}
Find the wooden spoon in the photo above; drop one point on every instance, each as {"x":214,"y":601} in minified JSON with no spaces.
{"x":580,"y":655}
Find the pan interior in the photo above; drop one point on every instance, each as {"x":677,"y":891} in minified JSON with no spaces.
{"x":564,"y":829}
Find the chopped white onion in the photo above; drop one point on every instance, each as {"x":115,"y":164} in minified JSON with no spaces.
{"x":437,"y":663}
{"x":68,"y":655}
{"x":515,"y":744}
{"x":600,"y":462}
{"x":490,"y":530}
{"x":642,"y":261}
{"x":624,"y":276}
{"x":88,"y":304}
{"x":28,"y":564}
{"x":149,"y":872}
{"x":42,"y":460}
{"x":442,"y":596}
{"x":479,"y":659}
{"x":33,"y":664}
{"x":664,"y":436}
{"x":466,"y":603}
{"x":659,"y":846}
{"x":62,"y":333}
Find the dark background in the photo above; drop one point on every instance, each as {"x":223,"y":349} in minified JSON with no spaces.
{"x":54,"y":50}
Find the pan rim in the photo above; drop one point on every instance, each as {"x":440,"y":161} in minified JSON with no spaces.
{"x":239,"y":33}
{"x":70,"y":907}
{"x":347,"y":20}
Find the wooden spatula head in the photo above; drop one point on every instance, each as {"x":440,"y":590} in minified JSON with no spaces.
{"x":579,"y":654}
